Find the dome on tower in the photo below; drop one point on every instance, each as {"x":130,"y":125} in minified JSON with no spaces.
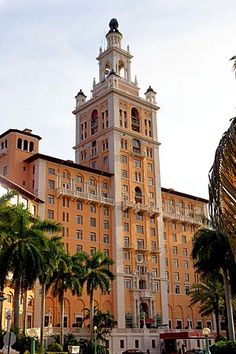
{"x":113,"y":24}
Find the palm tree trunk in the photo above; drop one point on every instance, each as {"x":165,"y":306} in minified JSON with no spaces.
{"x":91,"y":311}
{"x":62,"y":320}
{"x":229,"y":308}
{"x":43,"y":293}
{"x":25,"y":300}
{"x":17,"y":304}
{"x":217,"y":317}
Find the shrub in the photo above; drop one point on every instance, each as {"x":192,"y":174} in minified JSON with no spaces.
{"x":224,"y":347}
{"x":55,"y":347}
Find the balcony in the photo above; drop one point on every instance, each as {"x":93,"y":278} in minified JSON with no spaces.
{"x":138,"y":152}
{"x":100,"y":199}
{"x":191,"y":217}
{"x":3,"y":151}
{"x":139,"y":207}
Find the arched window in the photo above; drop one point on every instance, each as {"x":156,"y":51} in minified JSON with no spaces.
{"x":19,"y":143}
{"x":171,"y":202}
{"x":31,"y":146}
{"x":25,"y":147}
{"x":136,"y":146}
{"x":6,"y":143}
{"x":94,"y":122}
{"x":2,"y":145}
{"x":121,"y":69}
{"x":142,"y":284}
{"x":135,"y":120}
{"x":138,"y":195}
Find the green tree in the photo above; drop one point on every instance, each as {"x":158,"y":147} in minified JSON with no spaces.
{"x":209,"y":294}
{"x":211,"y":252}
{"x":67,"y":276}
{"x":97,"y":276}
{"x":22,"y":239}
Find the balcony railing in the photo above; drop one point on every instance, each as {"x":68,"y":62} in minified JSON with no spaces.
{"x":191,"y":217}
{"x":86,"y":196}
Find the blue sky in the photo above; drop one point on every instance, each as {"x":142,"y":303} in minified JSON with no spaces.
{"x":181,"y":48}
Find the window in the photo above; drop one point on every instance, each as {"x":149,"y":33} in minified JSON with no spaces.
{"x":105,"y":160}
{"x":9,"y":298}
{"x":51,"y":184}
{"x":176,"y":263}
{"x":5,"y":171}
{"x":137,"y":163}
{"x":92,"y":236}
{"x":123,"y":144}
{"x":175,"y":250}
{"x":153,"y":246}
{"x":124,"y":174}
{"x":127,"y":269}
{"x":139,"y":217}
{"x":126,"y":226}
{"x":174,"y":237}
{"x":151,"y":195}
{"x":124,"y":159}
{"x":127,"y":283}
{"x":173,"y":226}
{"x":135,"y":120}
{"x":50,"y":199}
{"x":126,"y":241}
{"x":166,"y":262}
{"x":92,"y":250}
{"x":140,"y":244}
{"x":176,"y":276}
{"x":51,"y":171}
{"x":185,"y":252}
{"x":183,"y":239}
{"x":154,"y":272}
{"x":187,"y":289}
{"x":79,"y":248}
{"x":152,"y":231}
{"x":122,"y":343}
{"x":149,"y":167}
{"x":177,"y":289}
{"x":127,"y":255}
{"x":150,"y":181}
{"x":79,"y":179}
{"x":186,"y":264}
{"x":136,"y":146}
{"x":50,"y":214}
{"x":105,"y":211}
{"x":79,"y":234}
{"x":183,"y":227}
{"x":140,"y":257}
{"x":154,"y":259}
{"x":155,"y":286}
{"x":136,"y":343}
{"x":153,"y":343}
{"x":106,"y":224}
{"x":92,"y":222}
{"x":139,"y":229}
{"x":105,"y":238}
{"x":79,"y":219}
{"x":92,"y":208}
{"x":167,"y":274}
{"x":79,"y":205}
{"x":186,"y":277}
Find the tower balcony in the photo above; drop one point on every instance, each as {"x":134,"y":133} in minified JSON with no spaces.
{"x":3,"y":151}
{"x":139,"y":153}
{"x":90,"y":197}
{"x":139,"y":207}
{"x":191,"y":217}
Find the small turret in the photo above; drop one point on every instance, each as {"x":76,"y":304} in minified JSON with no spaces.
{"x":150,"y":95}
{"x":114,"y":37}
{"x":80,"y":98}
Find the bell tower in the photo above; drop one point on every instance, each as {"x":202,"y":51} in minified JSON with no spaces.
{"x":116,"y":132}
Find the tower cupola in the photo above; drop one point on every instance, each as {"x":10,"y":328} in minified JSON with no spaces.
{"x":150,"y":95}
{"x":80,"y":98}
{"x":113,"y":37}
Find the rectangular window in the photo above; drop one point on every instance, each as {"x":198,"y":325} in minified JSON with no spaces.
{"x":136,"y":343}
{"x":122,"y":343}
{"x":154,"y":272}
{"x":174,"y":237}
{"x":177,"y":289}
{"x":124,"y":174}
{"x":154,"y":259}
{"x":51,"y":171}
{"x":140,"y":244}
{"x":149,"y":167}
{"x":153,"y":246}
{"x":186,"y":277}
{"x":127,"y":283}
{"x":150,"y":181}
{"x":176,"y":263}
{"x":105,"y":238}
{"x":92,"y":250}
{"x":124,"y":159}
{"x":175,"y":250}
{"x":127,"y":269}
{"x":92,"y":208}
{"x":79,"y":205}
{"x":93,"y":236}
{"x":92,"y":222}
{"x":50,"y":214}
{"x":187,"y":289}
{"x":51,"y":184}
{"x":139,"y":229}
{"x":186,"y":264}
{"x":126,"y":226}
{"x":127,"y":255}
{"x":185,"y":252}
{"x":106,"y":252}
{"x":183,"y":239}
{"x":79,"y":234}
{"x":50,"y":199}
{"x":105,"y":211}
{"x":79,"y":248}
{"x":152,"y":231}
{"x":137,"y":163}
{"x":105,"y":160}
{"x":79,"y":219}
{"x":176,"y":276}
{"x":106,"y":224}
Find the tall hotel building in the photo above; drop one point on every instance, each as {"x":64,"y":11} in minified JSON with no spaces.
{"x":110,"y":199}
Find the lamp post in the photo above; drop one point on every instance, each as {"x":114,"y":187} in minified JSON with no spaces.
{"x":206,"y":331}
{"x":32,"y":333}
{"x":95,"y":339}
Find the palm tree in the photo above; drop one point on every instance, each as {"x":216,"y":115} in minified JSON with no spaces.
{"x":209,"y":293}
{"x":211,"y":252}
{"x":52,"y":254}
{"x":67,"y":276}
{"x":97,"y":276}
{"x":22,"y":237}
